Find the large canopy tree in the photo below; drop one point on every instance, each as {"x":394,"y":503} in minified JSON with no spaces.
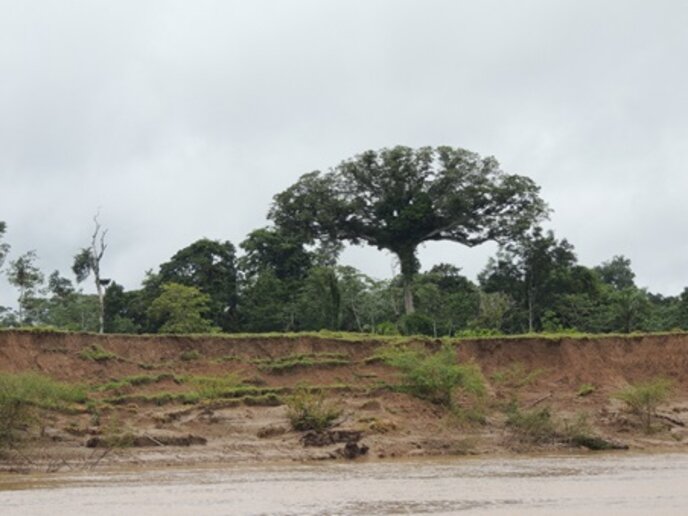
{"x":398,"y":198}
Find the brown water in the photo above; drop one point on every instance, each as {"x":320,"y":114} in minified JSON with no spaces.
{"x":599,"y":484}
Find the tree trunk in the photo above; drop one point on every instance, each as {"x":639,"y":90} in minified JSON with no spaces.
{"x":409,"y":267}
{"x":101,"y":301}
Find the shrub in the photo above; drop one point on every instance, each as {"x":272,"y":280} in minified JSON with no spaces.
{"x":416,"y":324}
{"x":22,"y":394}
{"x":307,"y":409}
{"x":189,"y":355}
{"x":533,"y":426}
{"x":386,"y":328}
{"x":643,"y":399}
{"x":434,"y":376}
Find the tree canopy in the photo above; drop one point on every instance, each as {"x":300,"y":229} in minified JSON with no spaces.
{"x":208,"y":265}
{"x":398,"y":198}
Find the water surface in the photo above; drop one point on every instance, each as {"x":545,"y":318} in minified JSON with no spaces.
{"x":597,"y":484}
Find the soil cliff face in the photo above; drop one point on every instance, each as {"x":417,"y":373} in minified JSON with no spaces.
{"x":148,"y":386}
{"x":610,"y":360}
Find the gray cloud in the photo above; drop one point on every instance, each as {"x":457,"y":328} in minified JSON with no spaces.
{"x":182,"y":119}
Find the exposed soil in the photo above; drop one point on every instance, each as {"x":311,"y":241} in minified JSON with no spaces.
{"x":165,"y":422}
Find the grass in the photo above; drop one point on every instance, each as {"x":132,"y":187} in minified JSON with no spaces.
{"x":21,"y":395}
{"x":585,"y":389}
{"x":96,"y":353}
{"x":358,"y":337}
{"x":303,"y":360}
{"x":307,"y":409}
{"x":515,"y":376}
{"x":215,"y":387}
{"x":643,"y":398}
{"x":136,"y":381}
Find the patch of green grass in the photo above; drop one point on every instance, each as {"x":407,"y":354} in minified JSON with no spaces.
{"x":137,"y":380}
{"x":303,"y":360}
{"x":22,"y":394}
{"x":96,"y":353}
{"x":585,"y":390}
{"x":515,"y":376}
{"x":307,"y":409}
{"x":214,"y":387}
{"x":158,"y":398}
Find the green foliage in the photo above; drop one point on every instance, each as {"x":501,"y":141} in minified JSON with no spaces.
{"x":617,"y":273}
{"x":190,"y":355}
{"x":216,"y":387}
{"x":386,"y":328}
{"x":22,"y":394}
{"x":307,"y":409}
{"x":397,"y":198}
{"x":4,"y":246}
{"x":643,"y":398}
{"x":416,"y":324}
{"x":96,"y":353}
{"x":585,"y":390}
{"x":24,"y":275}
{"x":181,"y":309}
{"x":533,"y":426}
{"x":515,"y":376}
{"x":137,"y":380}
{"x":434,"y":376}
{"x":303,"y":360}
{"x":209,"y":267}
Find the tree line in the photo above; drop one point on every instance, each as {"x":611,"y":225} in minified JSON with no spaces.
{"x":286,"y":276}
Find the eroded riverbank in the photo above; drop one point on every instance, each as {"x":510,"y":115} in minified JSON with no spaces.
{"x":175,"y":401}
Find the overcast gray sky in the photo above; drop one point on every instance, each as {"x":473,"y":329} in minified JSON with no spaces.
{"x":181,"y":119}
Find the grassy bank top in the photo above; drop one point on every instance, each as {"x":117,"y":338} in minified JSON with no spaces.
{"x":353,"y":336}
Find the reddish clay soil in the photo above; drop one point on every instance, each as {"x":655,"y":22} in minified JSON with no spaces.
{"x":532,"y":373}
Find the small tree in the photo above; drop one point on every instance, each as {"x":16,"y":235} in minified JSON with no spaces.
{"x":180,"y":309}
{"x":644,"y":398}
{"x":4,"y":246}
{"x":24,"y":275}
{"x":87,"y":262}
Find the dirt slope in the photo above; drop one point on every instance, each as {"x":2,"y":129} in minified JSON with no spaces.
{"x":533,"y":372}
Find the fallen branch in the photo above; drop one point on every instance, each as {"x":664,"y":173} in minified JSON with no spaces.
{"x":539,"y":400}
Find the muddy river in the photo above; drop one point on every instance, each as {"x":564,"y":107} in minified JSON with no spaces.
{"x":598,"y":484}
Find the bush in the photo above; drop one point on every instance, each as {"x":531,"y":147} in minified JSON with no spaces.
{"x":416,"y":324}
{"x":22,"y":394}
{"x":534,"y":426}
{"x":308,"y":410}
{"x":644,"y":398}
{"x":434,"y":376}
{"x":386,"y":328}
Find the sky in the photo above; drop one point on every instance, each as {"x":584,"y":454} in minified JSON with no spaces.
{"x":178,"y":120}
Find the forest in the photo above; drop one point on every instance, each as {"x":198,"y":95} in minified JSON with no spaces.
{"x":286,"y":277}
